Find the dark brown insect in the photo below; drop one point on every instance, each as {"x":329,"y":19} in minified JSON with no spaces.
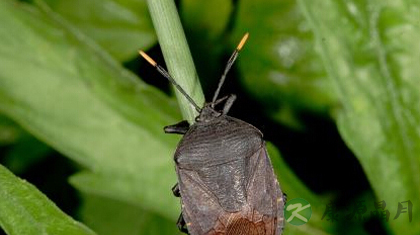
{"x":225,"y":178}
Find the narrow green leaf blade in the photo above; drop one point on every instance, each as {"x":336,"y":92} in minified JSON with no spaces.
{"x":371,"y":52}
{"x":120,"y":27}
{"x":61,"y":87}
{"x":25,"y":210}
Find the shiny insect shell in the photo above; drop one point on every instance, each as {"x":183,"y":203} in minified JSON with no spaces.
{"x":225,"y":179}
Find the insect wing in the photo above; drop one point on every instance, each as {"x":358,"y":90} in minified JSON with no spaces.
{"x":261,"y":214}
{"x":264,"y":194}
{"x":200,"y":208}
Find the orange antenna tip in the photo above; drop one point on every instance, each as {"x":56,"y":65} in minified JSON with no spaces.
{"x":243,"y":40}
{"x":146,"y":57}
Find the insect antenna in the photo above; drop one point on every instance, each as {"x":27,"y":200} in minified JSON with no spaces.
{"x":228,"y":66}
{"x":162,"y":71}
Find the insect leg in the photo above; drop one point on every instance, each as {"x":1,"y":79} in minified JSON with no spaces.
{"x":179,"y":128}
{"x":229,"y":103}
{"x":175,"y":190}
{"x":181,"y":224}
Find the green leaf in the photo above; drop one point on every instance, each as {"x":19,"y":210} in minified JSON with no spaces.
{"x":64,"y":89}
{"x":286,"y":73}
{"x":295,"y":188}
{"x":120,"y":27}
{"x":25,"y":210}
{"x":109,"y":217}
{"x":371,"y":52}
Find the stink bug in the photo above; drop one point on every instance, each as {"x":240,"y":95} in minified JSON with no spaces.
{"x":225,"y":178}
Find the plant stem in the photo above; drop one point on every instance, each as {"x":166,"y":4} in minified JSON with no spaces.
{"x":177,"y":54}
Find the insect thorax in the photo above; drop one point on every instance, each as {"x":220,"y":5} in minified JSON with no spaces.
{"x":223,"y":139}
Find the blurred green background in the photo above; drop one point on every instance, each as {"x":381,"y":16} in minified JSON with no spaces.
{"x":332,"y":84}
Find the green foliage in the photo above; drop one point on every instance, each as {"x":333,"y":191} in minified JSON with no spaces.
{"x":25,"y":210}
{"x":286,"y":73}
{"x":61,"y":80}
{"x":376,"y":74}
{"x":119,"y":27}
{"x":73,"y":96}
